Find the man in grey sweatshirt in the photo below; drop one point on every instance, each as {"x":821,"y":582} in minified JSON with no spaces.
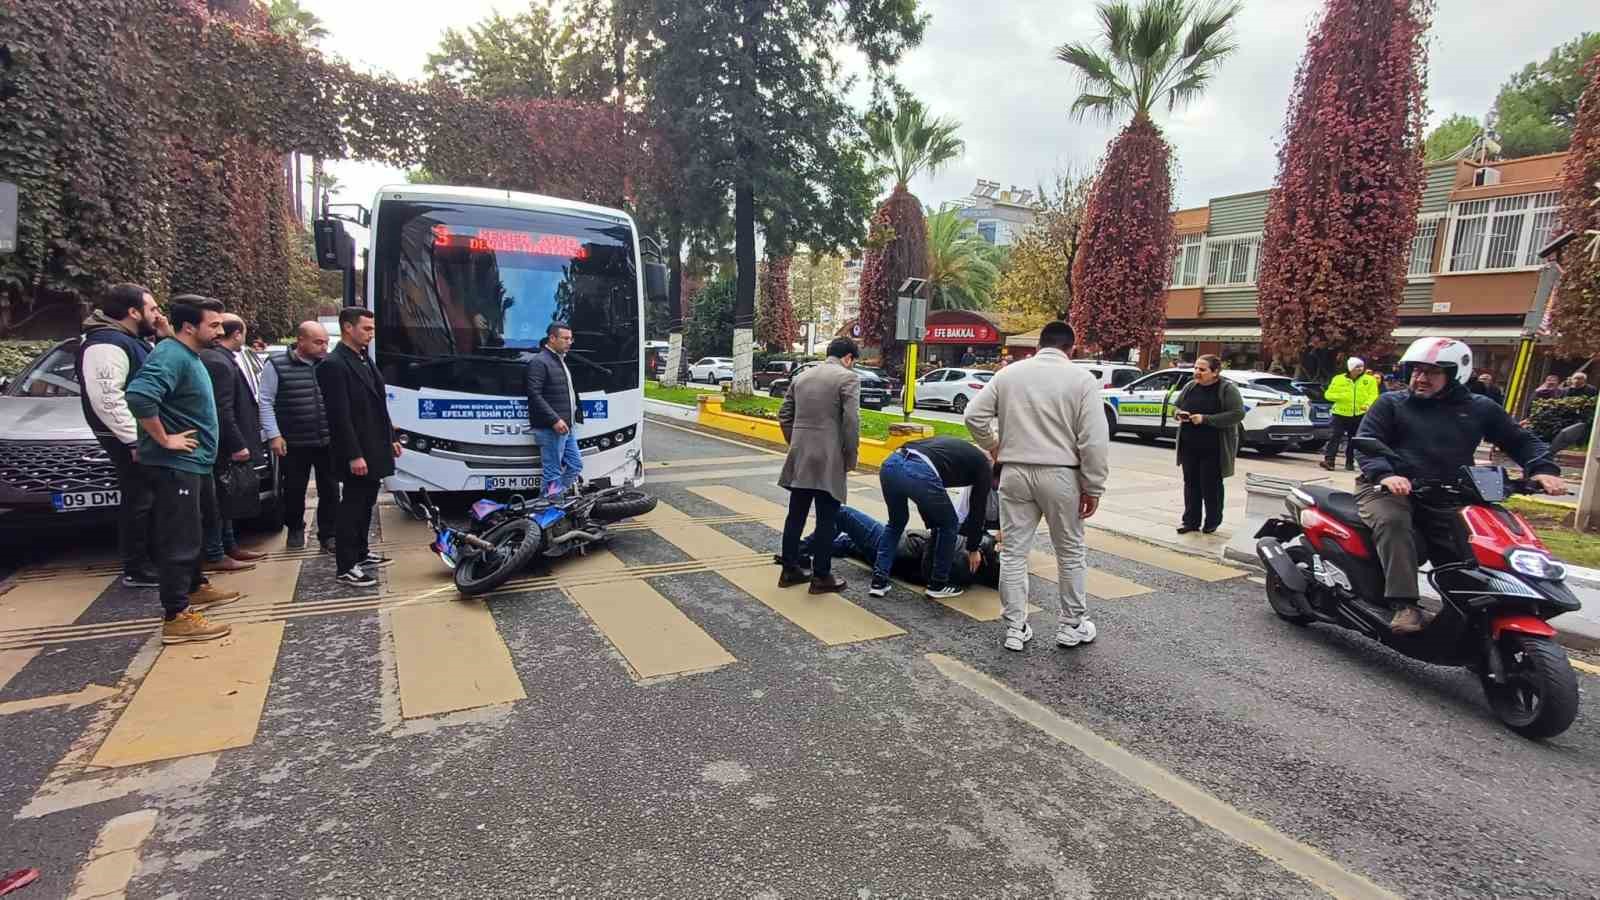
{"x":1042,"y":422}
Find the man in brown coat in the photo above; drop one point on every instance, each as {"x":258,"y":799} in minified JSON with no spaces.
{"x":821,"y":420}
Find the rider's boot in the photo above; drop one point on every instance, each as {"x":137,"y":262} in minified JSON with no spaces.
{"x":1408,"y":619}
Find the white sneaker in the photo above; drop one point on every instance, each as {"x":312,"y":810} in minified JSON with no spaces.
{"x":1073,"y":635}
{"x":1017,"y":638}
{"x":356,"y":577}
{"x":943,"y":593}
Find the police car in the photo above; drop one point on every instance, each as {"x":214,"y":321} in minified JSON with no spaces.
{"x":1278,"y":416}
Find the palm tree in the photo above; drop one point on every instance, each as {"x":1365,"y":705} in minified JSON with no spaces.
{"x":963,"y":268}
{"x":289,"y":19}
{"x":1164,"y":52}
{"x":905,"y":143}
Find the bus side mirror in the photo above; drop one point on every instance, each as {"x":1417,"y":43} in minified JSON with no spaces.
{"x":655,"y":282}
{"x":336,"y":249}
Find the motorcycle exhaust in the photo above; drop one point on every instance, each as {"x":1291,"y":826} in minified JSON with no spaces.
{"x":473,"y":540}
{"x":574,"y":534}
{"x":1285,"y":582}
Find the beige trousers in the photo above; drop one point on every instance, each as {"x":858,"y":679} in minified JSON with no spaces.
{"x":1027,"y":495}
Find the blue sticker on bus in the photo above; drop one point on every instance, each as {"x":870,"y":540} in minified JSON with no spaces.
{"x":458,"y":408}
{"x":595,"y":409}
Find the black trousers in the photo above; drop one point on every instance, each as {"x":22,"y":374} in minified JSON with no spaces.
{"x":357,"y":495}
{"x":1343,"y":427}
{"x":133,"y":516}
{"x":794,"y":528}
{"x":179,"y":504}
{"x":296,"y":468}
{"x":1202,"y":491}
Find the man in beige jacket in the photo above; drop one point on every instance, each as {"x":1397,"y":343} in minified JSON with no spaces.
{"x":821,"y":420}
{"x":1041,"y":419}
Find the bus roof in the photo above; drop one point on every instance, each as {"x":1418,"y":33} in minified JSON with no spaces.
{"x":498,"y":197}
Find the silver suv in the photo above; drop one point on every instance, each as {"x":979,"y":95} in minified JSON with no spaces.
{"x":53,"y":473}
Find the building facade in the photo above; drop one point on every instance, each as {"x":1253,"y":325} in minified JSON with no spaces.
{"x":1472,"y":275}
{"x":1000,"y":216}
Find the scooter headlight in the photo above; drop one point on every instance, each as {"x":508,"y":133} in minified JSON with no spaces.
{"x":1534,"y":564}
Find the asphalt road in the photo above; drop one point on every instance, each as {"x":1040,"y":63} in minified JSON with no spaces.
{"x":1200,"y":747}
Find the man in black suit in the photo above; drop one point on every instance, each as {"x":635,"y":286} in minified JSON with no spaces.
{"x":239,"y":437}
{"x":363,"y":444}
{"x":554,"y":411}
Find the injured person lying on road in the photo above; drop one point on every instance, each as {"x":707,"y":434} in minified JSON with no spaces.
{"x":913,"y":558}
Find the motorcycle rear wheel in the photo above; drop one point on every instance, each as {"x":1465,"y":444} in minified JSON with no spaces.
{"x":624,"y":504}
{"x":1540,"y":697}
{"x":515,"y":543}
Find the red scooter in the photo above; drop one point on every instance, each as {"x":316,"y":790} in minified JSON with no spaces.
{"x":1322,"y":566}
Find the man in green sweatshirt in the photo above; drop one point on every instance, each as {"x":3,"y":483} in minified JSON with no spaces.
{"x":171,"y":398}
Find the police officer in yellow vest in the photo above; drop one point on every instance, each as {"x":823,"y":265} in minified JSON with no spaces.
{"x":1351,"y":394}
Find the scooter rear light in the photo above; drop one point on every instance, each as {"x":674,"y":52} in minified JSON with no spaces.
{"x":1319,"y":526}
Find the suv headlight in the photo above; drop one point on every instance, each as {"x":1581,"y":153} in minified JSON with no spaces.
{"x":1534,"y":564}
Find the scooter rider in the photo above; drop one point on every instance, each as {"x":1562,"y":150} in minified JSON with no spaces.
{"x":1434,"y":426}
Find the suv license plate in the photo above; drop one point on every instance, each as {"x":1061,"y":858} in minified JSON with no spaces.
{"x":72,"y":501}
{"x":510,"y":482}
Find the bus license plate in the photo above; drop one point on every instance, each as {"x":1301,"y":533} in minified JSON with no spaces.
{"x":72,"y":501}
{"x":510,"y":482}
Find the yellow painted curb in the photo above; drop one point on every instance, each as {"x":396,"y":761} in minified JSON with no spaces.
{"x":873,"y":452}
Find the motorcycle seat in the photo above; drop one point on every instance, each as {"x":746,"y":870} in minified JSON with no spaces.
{"x":1339,"y":504}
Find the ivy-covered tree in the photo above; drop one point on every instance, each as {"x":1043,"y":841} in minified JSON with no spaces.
{"x":1163,"y":51}
{"x":906,"y":143}
{"x":1576,"y":317}
{"x":776,"y":328}
{"x":1340,"y":223}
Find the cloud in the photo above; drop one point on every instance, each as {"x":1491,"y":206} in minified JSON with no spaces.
{"x":992,"y":66}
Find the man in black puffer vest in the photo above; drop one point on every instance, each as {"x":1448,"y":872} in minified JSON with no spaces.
{"x":296,"y":425}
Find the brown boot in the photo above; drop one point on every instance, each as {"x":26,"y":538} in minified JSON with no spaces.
{"x":191,"y":626}
{"x":227,"y":564}
{"x":243,"y":555}
{"x":1408,"y":620}
{"x":209,"y":596}
{"x":829,"y":584}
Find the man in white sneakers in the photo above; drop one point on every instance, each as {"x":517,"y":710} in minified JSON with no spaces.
{"x":1041,"y":419}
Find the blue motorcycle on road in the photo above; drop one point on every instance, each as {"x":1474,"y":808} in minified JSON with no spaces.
{"x":502,"y":539}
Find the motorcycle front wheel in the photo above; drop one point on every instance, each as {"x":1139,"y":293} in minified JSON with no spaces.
{"x":515,"y":543}
{"x":1540,"y":696}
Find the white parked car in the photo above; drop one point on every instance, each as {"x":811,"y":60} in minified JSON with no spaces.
{"x":1278,"y":416}
{"x":712,"y":369}
{"x":951,"y":389}
{"x":1112,"y":374}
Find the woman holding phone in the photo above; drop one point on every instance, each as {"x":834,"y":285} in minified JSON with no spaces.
{"x":1209,"y":410}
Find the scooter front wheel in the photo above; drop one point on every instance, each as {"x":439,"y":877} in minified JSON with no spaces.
{"x":515,"y":543}
{"x":1539,"y":698}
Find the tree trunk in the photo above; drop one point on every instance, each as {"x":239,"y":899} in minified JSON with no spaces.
{"x":672,"y":369}
{"x":744,"y":213}
{"x":316,"y":187}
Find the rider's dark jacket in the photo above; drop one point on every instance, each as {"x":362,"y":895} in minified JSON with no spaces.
{"x":1436,"y":436}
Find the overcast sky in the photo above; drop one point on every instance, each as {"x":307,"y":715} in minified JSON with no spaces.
{"x":992,"y":67}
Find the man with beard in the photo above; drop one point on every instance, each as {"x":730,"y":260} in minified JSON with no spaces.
{"x":116,"y":342}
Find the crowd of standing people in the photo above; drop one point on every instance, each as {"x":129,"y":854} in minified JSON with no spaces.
{"x":182,"y":408}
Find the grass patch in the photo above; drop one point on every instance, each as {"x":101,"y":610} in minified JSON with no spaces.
{"x":873,"y":424}
{"x":1553,"y":523}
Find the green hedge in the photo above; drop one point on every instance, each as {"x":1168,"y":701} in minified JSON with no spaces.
{"x":1550,"y":416}
{"x":16,"y":355}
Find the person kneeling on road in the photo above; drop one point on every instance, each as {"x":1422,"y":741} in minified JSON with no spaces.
{"x":919,"y":473}
{"x":1434,"y":428}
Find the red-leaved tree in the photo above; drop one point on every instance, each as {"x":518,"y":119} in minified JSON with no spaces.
{"x":1162,"y":52}
{"x":1576,"y":317}
{"x":1124,"y":258}
{"x":1340,"y":223}
{"x":776,"y":327}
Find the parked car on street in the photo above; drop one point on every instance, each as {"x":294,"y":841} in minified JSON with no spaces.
{"x":1110,"y":372}
{"x":950,"y":389}
{"x":875,"y":389}
{"x":772,"y":371}
{"x":1278,"y":416}
{"x":712,"y":369}
{"x":53,"y":473}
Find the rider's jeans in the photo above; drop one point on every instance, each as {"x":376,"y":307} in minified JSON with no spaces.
{"x":906,"y":479}
{"x":1401,"y":529}
{"x":558,"y":457}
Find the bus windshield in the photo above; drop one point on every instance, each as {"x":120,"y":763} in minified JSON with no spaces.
{"x":464,"y":295}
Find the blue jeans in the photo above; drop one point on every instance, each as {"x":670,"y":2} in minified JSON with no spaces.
{"x":559,"y":457}
{"x":906,"y":479}
{"x":858,"y":535}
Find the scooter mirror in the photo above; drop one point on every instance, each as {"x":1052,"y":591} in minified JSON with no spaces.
{"x":1570,"y":436}
{"x":1373,"y":447}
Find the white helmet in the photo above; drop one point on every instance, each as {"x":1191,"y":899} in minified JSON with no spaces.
{"x":1449,"y":354}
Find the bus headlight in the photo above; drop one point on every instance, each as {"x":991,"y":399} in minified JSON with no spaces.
{"x":421,"y":444}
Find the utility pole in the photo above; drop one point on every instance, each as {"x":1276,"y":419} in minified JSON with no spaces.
{"x":910,"y":322}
